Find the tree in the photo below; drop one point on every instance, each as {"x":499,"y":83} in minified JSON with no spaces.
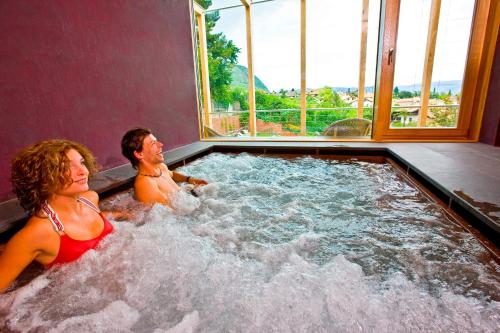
{"x":326,"y":98}
{"x":405,"y":94}
{"x":240,"y":95}
{"x":396,"y":92}
{"x":222,"y":56}
{"x":434,"y":93}
{"x":329,"y":98}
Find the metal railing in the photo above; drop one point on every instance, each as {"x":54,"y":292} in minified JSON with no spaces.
{"x":286,"y":122}
{"x":282,"y":122}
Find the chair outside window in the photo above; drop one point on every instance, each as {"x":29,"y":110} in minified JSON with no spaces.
{"x":349,"y":127}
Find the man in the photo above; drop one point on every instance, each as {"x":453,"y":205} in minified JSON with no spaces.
{"x":154,"y":182}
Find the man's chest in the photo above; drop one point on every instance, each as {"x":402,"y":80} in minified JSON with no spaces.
{"x":167,"y":185}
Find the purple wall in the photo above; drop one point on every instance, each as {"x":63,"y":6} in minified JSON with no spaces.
{"x":490,"y":128}
{"x":90,"y":70}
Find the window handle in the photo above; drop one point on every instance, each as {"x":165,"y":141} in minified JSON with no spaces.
{"x":390,"y":58}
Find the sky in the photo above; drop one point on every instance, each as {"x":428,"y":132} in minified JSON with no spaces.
{"x":333,"y":32}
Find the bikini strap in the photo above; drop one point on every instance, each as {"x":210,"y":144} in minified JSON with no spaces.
{"x":89,"y":204}
{"x":52,"y":215}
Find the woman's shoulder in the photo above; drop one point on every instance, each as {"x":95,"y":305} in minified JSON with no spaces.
{"x":92,"y":196}
{"x":37,"y":227}
{"x":37,"y":237}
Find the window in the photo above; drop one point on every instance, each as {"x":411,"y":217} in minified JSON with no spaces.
{"x":418,"y":74}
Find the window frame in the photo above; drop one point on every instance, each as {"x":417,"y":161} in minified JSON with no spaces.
{"x":475,"y":82}
{"x":481,"y":49}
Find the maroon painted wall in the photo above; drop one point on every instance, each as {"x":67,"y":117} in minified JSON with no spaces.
{"x":89,"y":70}
{"x":490,"y":128}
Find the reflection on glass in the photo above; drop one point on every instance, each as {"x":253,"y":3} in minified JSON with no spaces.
{"x":444,"y":71}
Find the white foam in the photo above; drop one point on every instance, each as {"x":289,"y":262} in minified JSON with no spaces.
{"x":117,"y":317}
{"x":183,"y":203}
{"x":237,"y":261}
{"x":189,"y":324}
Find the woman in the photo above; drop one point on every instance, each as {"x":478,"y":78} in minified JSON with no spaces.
{"x":50,"y":179}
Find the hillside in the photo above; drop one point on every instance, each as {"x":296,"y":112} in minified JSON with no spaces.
{"x":240,"y":79}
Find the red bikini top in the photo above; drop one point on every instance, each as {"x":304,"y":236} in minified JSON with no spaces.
{"x":71,"y":249}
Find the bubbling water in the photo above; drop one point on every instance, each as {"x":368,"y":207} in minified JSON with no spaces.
{"x":273,"y":244}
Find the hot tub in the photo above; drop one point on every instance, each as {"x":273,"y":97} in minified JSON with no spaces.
{"x":274,"y":244}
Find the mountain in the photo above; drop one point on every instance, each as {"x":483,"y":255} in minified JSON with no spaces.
{"x":240,"y":79}
{"x":441,"y":87}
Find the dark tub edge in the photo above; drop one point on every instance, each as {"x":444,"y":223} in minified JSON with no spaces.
{"x":119,"y":178}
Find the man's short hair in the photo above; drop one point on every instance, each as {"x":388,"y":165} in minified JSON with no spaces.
{"x":132,"y":141}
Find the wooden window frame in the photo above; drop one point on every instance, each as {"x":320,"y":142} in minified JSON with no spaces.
{"x":482,"y":43}
{"x":199,"y":16}
{"x":481,"y":50}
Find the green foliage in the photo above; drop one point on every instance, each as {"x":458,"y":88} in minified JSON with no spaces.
{"x":244,"y":119}
{"x":265,"y":101}
{"x":434,"y":94}
{"x":240,"y":95}
{"x":318,"y":120}
{"x":406,"y":94}
{"x":444,"y":117}
{"x":334,"y":100}
{"x":407,"y":124}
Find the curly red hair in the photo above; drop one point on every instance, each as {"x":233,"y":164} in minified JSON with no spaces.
{"x":43,"y":168}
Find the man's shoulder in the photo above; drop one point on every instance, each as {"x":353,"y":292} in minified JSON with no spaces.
{"x":144,"y":180}
{"x":143,"y":186}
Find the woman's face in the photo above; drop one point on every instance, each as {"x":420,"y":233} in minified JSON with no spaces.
{"x":78,"y":174}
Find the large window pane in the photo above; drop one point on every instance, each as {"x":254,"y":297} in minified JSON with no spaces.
{"x":449,"y":62}
{"x":334,"y":31}
{"x":276,"y":54}
{"x":412,"y":63}
{"x":229,"y":94}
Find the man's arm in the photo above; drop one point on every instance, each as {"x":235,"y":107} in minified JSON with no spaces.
{"x":179,"y":177}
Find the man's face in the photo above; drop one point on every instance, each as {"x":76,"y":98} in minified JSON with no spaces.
{"x":151,"y":150}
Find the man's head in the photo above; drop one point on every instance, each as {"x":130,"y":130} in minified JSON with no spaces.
{"x":139,"y":144}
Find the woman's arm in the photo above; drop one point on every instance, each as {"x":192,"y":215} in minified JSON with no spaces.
{"x":24,"y":247}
